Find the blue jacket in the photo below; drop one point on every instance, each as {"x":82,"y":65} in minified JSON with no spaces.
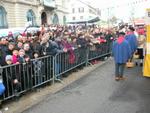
{"x":131,"y":38}
{"x":121,"y":52}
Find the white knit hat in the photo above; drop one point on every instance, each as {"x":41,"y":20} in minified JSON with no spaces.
{"x":8,"y":57}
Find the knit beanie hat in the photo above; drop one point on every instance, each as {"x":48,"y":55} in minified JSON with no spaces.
{"x":21,"y":50}
{"x":8,"y":57}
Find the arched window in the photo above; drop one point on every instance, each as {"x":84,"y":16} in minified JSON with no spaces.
{"x":55,"y":19}
{"x":31,"y":17}
{"x":64,"y":19}
{"x":3,"y":19}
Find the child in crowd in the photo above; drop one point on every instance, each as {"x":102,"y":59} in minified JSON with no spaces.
{"x":15,"y":57}
{"x":27,"y":59}
{"x":8,"y":59}
{"x":12,"y":76}
{"x":21,"y":56}
{"x":37,"y":65}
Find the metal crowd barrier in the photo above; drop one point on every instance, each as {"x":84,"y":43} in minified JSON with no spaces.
{"x":47,"y":69}
{"x":65,"y":62}
{"x":29,"y":75}
{"x":43,"y":70}
{"x":99,"y":50}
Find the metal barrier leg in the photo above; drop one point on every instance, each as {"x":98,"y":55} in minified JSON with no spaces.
{"x":53,"y":70}
{"x":87,"y":57}
{"x":56,"y":68}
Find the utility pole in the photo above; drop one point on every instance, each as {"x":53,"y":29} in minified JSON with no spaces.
{"x":108,"y":20}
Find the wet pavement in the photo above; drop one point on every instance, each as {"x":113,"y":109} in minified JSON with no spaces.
{"x":98,"y":92}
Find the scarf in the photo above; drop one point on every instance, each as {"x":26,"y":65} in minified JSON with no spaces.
{"x":14,"y":59}
{"x":130,"y":32}
{"x":120,"y":40}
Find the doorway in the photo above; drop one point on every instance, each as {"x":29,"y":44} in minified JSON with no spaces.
{"x":43,"y":18}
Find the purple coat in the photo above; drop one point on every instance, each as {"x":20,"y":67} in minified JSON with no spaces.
{"x":68,"y":46}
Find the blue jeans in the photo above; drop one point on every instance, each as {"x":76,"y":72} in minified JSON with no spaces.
{"x":119,"y":69}
{"x":57,"y":70}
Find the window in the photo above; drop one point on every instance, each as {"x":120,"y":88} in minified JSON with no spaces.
{"x":55,"y":19}
{"x":73,"y":18}
{"x":3,"y":19}
{"x":148,"y":14}
{"x":99,"y":12}
{"x":31,"y":17}
{"x":90,"y":11}
{"x":81,"y":10}
{"x":73,"y":10}
{"x":81,"y":17}
{"x":64,"y":20}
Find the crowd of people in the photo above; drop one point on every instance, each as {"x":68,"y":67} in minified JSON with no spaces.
{"x":49,"y":41}
{"x":27,"y":48}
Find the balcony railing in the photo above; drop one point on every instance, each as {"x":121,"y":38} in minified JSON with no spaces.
{"x":32,"y":2}
{"x":48,"y":3}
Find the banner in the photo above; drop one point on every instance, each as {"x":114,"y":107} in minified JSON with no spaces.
{"x":146,"y":69}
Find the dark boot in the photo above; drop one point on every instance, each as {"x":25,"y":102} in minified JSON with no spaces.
{"x":136,"y":64}
{"x":1,"y":104}
{"x":141,"y":64}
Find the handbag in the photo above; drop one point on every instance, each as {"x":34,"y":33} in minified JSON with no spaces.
{"x":135,"y":56}
{"x":129,"y":64}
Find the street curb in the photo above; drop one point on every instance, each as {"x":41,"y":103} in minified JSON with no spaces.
{"x":34,"y":98}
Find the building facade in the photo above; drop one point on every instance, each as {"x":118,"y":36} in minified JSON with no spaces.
{"x":16,"y":13}
{"x":81,"y":12}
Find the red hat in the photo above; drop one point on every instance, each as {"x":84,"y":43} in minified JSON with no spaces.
{"x":10,"y":33}
{"x":24,"y":34}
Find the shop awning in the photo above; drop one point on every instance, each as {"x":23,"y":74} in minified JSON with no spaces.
{"x":96,"y":19}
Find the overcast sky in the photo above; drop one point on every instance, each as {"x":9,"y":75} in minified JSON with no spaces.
{"x":122,"y":9}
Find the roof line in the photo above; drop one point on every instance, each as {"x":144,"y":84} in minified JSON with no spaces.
{"x":87,"y":4}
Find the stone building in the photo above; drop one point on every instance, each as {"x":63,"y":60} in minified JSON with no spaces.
{"x":16,"y":13}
